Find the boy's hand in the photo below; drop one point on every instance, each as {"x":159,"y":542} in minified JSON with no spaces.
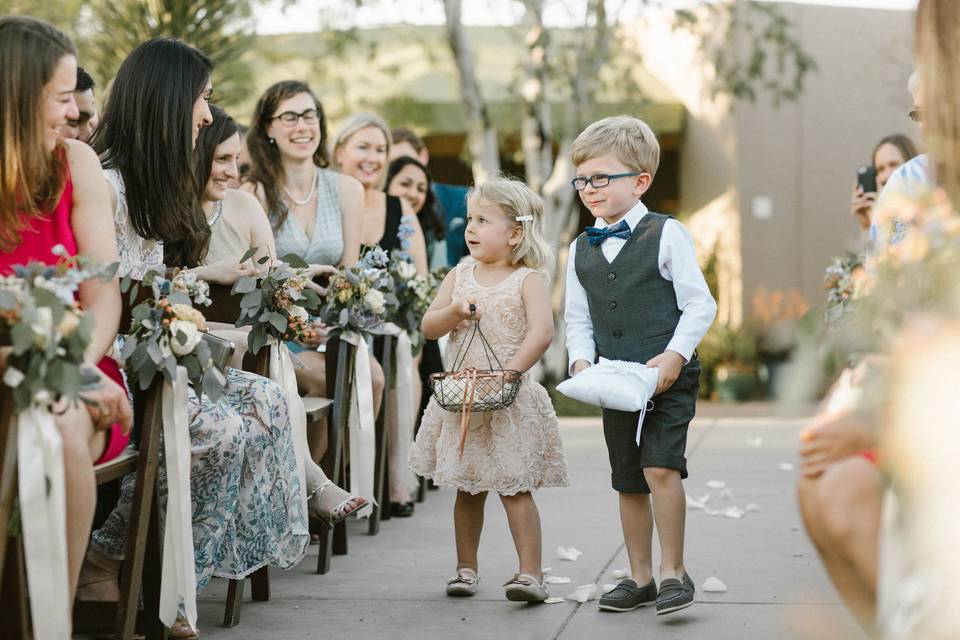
{"x":669,"y":362}
{"x":578,"y":366}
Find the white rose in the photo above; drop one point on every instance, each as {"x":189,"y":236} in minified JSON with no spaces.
{"x":42,"y":326}
{"x":188,"y":329}
{"x":298,"y":312}
{"x":406,"y":270}
{"x":12,"y":377}
{"x":375,"y":301}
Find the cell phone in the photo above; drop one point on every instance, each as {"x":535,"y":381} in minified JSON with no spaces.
{"x":867,"y":178}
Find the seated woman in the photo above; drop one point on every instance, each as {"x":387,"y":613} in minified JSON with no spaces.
{"x":55,"y":194}
{"x":409,"y":180}
{"x":248,"y":499}
{"x":360,"y":150}
{"x":314,"y":212}
{"x":237,"y":224}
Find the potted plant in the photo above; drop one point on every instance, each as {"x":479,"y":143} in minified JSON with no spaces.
{"x":729,"y":357}
{"x":775,"y":319}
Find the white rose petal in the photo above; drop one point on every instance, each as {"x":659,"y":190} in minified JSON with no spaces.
{"x":713,"y":584}
{"x":188,"y":329}
{"x":12,"y":377}
{"x":375,"y":301}
{"x":406,"y":270}
{"x":296,"y":311}
{"x":42,"y":326}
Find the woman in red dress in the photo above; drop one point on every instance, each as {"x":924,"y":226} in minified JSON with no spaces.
{"x":53,"y":192}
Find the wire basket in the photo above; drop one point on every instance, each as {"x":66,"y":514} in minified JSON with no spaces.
{"x":473,"y":389}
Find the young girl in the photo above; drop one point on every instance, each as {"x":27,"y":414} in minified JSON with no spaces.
{"x":518,"y":449}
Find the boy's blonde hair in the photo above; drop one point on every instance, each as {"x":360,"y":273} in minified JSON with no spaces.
{"x":350,"y":126}
{"x":630,"y":139}
{"x":517,"y":200}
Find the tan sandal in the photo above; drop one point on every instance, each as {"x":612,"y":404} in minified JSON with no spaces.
{"x":181,"y":630}
{"x":98,"y":580}
{"x":340,"y":511}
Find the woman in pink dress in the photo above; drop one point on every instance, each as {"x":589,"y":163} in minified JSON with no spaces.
{"x":53,"y":192}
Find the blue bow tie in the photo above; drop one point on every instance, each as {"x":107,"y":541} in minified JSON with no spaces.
{"x":596,"y":235}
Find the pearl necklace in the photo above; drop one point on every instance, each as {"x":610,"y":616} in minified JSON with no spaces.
{"x":313,"y":190}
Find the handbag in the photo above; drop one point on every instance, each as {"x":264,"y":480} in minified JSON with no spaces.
{"x":465,"y":390}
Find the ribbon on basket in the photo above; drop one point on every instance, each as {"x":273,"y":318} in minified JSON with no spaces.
{"x":363,"y":446}
{"x":43,"y":519}
{"x":405,"y":414}
{"x":469,"y":377}
{"x":178,"y":581}
{"x":283,"y":372}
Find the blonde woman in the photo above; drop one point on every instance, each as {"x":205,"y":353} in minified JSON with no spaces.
{"x":361,"y":148}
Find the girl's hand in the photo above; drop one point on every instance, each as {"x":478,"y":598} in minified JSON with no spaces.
{"x":462,"y":308}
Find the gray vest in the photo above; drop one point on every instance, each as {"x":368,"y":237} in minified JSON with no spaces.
{"x":633,"y":308}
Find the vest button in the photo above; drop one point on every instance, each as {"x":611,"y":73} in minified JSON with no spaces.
{"x":611,"y":276}
{"x":617,"y":333}
{"x":613,"y":305}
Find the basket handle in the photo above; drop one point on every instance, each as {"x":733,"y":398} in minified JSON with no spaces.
{"x":488,"y":351}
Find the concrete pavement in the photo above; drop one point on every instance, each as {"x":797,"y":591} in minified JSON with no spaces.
{"x":392,"y":585}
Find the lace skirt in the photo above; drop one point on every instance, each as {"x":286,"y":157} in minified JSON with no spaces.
{"x":244,"y":484}
{"x":510,"y":451}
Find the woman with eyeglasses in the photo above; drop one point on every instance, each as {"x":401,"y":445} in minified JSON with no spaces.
{"x":315,"y":213}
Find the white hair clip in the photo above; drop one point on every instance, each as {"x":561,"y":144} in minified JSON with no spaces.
{"x":524,"y":218}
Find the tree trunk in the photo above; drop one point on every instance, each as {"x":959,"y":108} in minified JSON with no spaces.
{"x":481,"y":135}
{"x":536,"y":133}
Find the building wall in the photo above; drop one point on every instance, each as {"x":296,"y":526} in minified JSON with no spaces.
{"x":802,"y":156}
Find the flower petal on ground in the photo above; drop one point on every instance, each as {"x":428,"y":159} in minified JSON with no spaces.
{"x":713,"y":584}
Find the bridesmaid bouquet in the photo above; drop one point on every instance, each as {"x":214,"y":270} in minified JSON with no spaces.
{"x":278,"y":304}
{"x":46,"y":330}
{"x":414,"y":292}
{"x":360,"y":298}
{"x":843,"y":280}
{"x":166,"y":330}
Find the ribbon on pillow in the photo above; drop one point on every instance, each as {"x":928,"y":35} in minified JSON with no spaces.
{"x":43,"y":518}
{"x":362,"y":430}
{"x":283,"y":372}
{"x":405,"y":415}
{"x":178,"y":581}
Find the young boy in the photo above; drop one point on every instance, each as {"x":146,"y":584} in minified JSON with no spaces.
{"x":635,"y":292}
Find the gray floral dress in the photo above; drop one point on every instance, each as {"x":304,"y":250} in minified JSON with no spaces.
{"x":248,"y":510}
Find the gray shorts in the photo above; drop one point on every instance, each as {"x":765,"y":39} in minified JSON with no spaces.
{"x":663,"y":441}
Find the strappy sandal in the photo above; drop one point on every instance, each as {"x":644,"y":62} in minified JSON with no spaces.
{"x":341,"y":511}
{"x":464,"y":584}
{"x":181,"y":630}
{"x":523,"y":587}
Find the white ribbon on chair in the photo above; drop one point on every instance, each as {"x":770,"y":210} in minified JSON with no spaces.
{"x":43,"y":517}
{"x":405,"y":414}
{"x":178,"y":581}
{"x":363,"y":447}
{"x":282,"y":372}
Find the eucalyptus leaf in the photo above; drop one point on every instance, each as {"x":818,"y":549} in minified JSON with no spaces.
{"x":295,"y":261}
{"x":278,"y":322}
{"x":244,"y":285}
{"x":125,"y":283}
{"x":252,"y":299}
{"x":252,"y":251}
{"x":145,"y":375}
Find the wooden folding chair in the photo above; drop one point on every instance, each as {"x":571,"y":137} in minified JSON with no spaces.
{"x":340,"y":363}
{"x":13,"y":581}
{"x":381,"y":478}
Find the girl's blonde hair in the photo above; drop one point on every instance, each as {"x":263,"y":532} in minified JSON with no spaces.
{"x":519,"y":202}
{"x":350,"y":126}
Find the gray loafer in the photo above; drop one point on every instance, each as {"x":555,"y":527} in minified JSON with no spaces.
{"x":675,"y":594}
{"x":464,"y":584}
{"x":628,"y":596}
{"x":523,"y":587}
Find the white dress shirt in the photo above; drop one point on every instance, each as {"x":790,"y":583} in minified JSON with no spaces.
{"x":677,"y":260}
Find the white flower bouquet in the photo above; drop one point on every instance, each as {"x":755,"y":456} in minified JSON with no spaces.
{"x":414,"y":293}
{"x":360,"y":298}
{"x":46,"y":330}
{"x":166,"y":330}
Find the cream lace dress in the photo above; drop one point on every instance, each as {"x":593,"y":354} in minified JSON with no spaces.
{"x":509,"y":451}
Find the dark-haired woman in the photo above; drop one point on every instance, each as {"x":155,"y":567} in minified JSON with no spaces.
{"x":890,"y":153}
{"x":248,"y":500}
{"x":52,"y":192}
{"x":237,"y":224}
{"x":315,"y":213}
{"x":408,"y":178}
